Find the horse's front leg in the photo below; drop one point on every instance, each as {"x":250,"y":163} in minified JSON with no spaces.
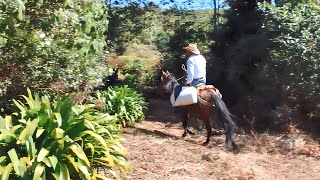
{"x":185,"y":118}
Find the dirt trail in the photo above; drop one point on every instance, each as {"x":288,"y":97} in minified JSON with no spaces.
{"x":158,"y":152}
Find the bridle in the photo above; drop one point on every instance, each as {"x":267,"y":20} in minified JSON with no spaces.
{"x":171,"y":83}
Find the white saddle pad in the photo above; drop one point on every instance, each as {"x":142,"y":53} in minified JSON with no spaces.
{"x":187,"y":96}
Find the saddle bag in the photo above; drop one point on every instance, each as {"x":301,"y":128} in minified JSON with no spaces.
{"x":184,"y":95}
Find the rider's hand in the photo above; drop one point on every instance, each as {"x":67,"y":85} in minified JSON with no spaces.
{"x":185,"y":82}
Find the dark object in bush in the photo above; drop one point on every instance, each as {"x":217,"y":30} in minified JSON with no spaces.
{"x":109,"y":80}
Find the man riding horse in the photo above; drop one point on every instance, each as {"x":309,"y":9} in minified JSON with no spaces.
{"x":196,"y":66}
{"x":203,"y":100}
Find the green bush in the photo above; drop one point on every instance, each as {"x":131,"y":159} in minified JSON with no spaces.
{"x":181,"y":28}
{"x":124,"y":103}
{"x":43,"y":42}
{"x":134,"y":67}
{"x":151,"y":79}
{"x":296,"y":54}
{"x":132,"y":81}
{"x":59,"y":140}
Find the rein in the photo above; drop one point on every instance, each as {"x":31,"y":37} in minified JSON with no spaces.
{"x":181,"y":78}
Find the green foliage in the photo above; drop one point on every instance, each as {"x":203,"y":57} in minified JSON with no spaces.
{"x":42,"y":42}
{"x":151,"y":79}
{"x":296,"y":52}
{"x":147,"y":56}
{"x":124,"y":103}
{"x":182,"y":27}
{"x":238,"y":46}
{"x":270,"y":55}
{"x":134,"y":67}
{"x":240,"y":54}
{"x":125,"y":26}
{"x":59,"y":140}
{"x":133,"y":81}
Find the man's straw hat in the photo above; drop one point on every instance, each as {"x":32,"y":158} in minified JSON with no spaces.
{"x":192,"y":48}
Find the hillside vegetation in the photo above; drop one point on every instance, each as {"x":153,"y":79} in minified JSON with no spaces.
{"x":74,"y":75}
{"x":148,"y":46}
{"x":255,"y":49}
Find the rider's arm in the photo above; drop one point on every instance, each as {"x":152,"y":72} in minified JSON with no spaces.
{"x":190,"y":71}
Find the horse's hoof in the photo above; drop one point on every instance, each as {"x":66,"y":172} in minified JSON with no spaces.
{"x":236,"y":151}
{"x":190,"y":132}
{"x":205,"y":143}
{"x":233,"y":148}
{"x":184,"y":134}
{"x":217,"y":132}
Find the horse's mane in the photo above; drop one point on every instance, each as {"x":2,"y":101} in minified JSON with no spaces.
{"x":173,"y":79}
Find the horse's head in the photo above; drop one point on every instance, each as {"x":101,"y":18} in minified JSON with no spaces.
{"x":167,"y":81}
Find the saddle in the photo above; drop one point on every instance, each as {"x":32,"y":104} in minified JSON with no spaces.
{"x":201,"y":87}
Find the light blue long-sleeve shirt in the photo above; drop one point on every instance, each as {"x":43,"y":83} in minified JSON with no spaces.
{"x":196,"y":67}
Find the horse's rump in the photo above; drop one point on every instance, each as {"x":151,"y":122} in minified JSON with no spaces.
{"x":206,"y":91}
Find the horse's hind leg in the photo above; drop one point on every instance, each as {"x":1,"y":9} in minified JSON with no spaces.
{"x":185,"y":117}
{"x":204,"y":114}
{"x":209,"y":131}
{"x":235,"y":147}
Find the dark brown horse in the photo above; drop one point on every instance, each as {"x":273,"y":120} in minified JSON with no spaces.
{"x":209,"y":102}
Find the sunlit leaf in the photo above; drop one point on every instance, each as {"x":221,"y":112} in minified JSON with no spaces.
{"x":72,"y":161}
{"x":6,"y":172}
{"x":39,"y":170}
{"x":19,"y":166}
{"x":64,"y":172}
{"x":21,"y":10}
{"x":42,"y":154}
{"x":58,"y":133}
{"x":54,"y":161}
{"x":39,"y":132}
{"x":83,"y":169}
{"x":59,"y":118}
{"x":79,"y":153}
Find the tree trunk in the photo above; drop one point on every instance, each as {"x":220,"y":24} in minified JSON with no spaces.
{"x":215,"y":15}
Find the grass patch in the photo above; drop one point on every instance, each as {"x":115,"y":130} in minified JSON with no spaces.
{"x":148,"y":55}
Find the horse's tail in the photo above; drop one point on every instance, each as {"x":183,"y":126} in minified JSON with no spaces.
{"x":225,"y":117}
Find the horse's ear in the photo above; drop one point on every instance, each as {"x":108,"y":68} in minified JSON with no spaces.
{"x":168,"y":73}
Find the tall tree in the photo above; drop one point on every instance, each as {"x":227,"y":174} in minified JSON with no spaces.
{"x":215,"y":13}
{"x":240,"y":50}
{"x":296,"y":55}
{"x":125,"y":22}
